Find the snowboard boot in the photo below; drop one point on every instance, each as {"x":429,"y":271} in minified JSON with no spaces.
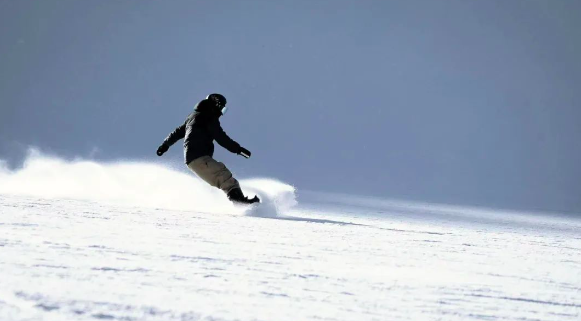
{"x":237,"y":197}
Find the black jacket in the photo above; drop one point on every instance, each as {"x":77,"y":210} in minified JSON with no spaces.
{"x":200,"y":130}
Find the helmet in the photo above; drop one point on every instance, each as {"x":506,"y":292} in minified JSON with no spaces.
{"x":219,"y":100}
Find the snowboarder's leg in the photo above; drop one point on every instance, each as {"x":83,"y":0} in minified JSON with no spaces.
{"x":236,"y":196}
{"x":214,"y":173}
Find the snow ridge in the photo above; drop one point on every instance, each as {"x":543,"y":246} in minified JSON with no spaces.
{"x":139,"y":184}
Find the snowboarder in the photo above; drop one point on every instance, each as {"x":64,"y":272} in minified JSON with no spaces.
{"x":200,"y":130}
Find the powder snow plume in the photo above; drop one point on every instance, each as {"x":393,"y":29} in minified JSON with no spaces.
{"x":138,"y":184}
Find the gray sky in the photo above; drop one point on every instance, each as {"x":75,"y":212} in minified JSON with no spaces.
{"x":464,"y":102}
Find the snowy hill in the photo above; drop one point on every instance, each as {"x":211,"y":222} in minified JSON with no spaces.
{"x":109,"y":257}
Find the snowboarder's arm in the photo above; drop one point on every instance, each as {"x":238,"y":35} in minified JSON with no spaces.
{"x":172,"y":138}
{"x":221,"y":137}
{"x":177,"y":134}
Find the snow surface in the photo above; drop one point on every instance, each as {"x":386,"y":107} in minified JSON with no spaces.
{"x":81,"y":240}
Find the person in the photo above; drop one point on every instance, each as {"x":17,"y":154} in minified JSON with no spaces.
{"x":199,"y":131}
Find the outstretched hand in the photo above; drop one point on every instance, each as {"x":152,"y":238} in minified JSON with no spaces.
{"x":244,"y":152}
{"x":162,"y":149}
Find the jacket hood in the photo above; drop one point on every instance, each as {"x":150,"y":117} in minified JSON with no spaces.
{"x":208,"y":107}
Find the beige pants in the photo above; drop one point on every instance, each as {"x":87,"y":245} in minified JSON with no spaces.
{"x":214,"y":173}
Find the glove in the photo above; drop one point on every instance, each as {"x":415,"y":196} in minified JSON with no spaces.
{"x":162,"y":149}
{"x":244,"y":152}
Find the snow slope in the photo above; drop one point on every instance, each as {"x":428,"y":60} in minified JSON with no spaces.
{"x":134,"y":184}
{"x":83,"y":252}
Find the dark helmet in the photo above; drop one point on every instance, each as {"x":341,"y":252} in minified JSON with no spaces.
{"x":218,"y":99}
